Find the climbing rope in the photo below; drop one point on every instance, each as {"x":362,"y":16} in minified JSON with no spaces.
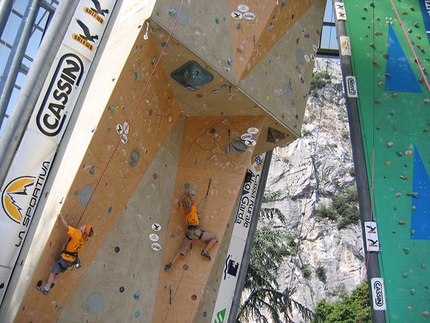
{"x":422,"y":70}
{"x":135,"y":107}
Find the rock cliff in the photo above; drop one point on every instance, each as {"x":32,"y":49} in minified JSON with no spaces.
{"x":328,"y":262}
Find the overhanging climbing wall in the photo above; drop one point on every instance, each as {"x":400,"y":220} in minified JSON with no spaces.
{"x":207,"y":87}
{"x":389,"y":48}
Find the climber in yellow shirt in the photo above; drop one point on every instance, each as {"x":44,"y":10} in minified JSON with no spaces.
{"x":70,"y":254}
{"x":193,"y":232}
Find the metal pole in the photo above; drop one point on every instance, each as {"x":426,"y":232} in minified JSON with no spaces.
{"x":250,"y":239}
{"x":20,"y":115}
{"x":360,"y":168}
{"x":17,"y":52}
{"x":5,"y":10}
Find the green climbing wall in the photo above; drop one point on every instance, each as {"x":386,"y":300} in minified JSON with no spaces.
{"x":390,"y":59}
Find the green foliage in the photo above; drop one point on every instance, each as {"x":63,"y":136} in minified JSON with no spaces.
{"x":270,"y":212}
{"x":271,"y":196}
{"x":321,"y":274}
{"x":319,"y":81}
{"x":345,"y":135}
{"x":270,"y":248}
{"x":351,"y":309}
{"x":307,"y":273}
{"x":344,"y":208}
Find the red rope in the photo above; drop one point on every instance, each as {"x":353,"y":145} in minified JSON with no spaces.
{"x":135,"y":107}
{"x":410,"y":45}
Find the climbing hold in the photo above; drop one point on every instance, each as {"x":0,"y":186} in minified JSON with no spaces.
{"x":388,"y":163}
{"x":426,"y":100}
{"x":392,"y":112}
{"x":155,"y":176}
{"x":92,"y":170}
{"x":136,"y":295}
{"x":375,"y":63}
{"x":425,"y":313}
{"x":425,"y":129}
{"x":399,"y":153}
{"x":401,"y":222}
{"x":405,"y":274}
{"x":193,"y":297}
{"x":394,"y":95}
{"x":121,"y":289}
{"x":238,"y":25}
{"x":380,"y":83}
{"x":406,"y":250}
{"x":270,"y":26}
{"x":398,"y":194}
{"x":185,"y":267}
{"x":423,"y":266}
{"x":390,"y":144}
{"x":186,"y":186}
{"x":404,"y":177}
{"x":172,"y":11}
{"x":137,"y":314}
{"x":410,"y":308}
{"x":110,"y":209}
{"x":117,"y":249}
{"x":136,"y":76}
{"x":217,"y":21}
{"x":240,"y":48}
{"x":385,"y":55}
{"x":412,"y":232}
{"x":413,"y":208}
{"x":378,"y":33}
{"x":412,"y":291}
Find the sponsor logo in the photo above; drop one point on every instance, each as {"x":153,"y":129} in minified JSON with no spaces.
{"x":52,"y":113}
{"x":85,"y":39}
{"x":351,"y":87}
{"x":97,"y":12}
{"x":12,"y":194}
{"x":17,"y":197}
{"x":220,"y":316}
{"x":378,"y":294}
{"x":249,"y":192}
{"x":231,"y":267}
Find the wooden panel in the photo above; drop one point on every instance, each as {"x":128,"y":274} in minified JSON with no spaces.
{"x":203,"y":160}
{"x":151,"y":115}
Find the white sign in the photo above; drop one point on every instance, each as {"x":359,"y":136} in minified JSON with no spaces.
{"x":234,"y":257}
{"x":378,"y":294}
{"x":345,"y":46}
{"x":340,"y":11}
{"x":351,"y":87}
{"x":372,"y":238}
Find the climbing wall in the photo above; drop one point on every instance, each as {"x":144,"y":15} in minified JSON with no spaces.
{"x":139,"y":116}
{"x":215,"y":174}
{"x":389,"y":47}
{"x":264,"y":51}
{"x":206,"y":88}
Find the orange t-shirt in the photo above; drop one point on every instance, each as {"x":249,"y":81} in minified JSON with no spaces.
{"x":192,"y":217}
{"x":76,"y":243}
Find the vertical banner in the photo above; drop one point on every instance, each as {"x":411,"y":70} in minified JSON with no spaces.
{"x":27,"y":175}
{"x":238,"y":240}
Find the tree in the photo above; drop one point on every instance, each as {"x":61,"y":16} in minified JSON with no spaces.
{"x":351,"y":309}
{"x":264,"y":299}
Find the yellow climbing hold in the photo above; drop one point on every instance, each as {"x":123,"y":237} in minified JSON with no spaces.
{"x":390,"y":144}
{"x":380,"y":83}
{"x":409,"y":153}
{"x":268,"y":97}
{"x":388,"y":163}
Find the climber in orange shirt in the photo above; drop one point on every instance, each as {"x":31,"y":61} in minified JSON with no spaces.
{"x":70,"y":254}
{"x":193,"y":232}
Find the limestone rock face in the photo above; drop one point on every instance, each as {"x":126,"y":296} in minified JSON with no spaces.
{"x":307,"y":172}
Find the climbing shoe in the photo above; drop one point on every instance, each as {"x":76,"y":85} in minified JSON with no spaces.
{"x":43,"y":291}
{"x":167,"y":267}
{"x":206,"y":255}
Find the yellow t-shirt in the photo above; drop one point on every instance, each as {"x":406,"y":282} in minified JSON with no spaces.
{"x":76,"y":243}
{"x":192,"y":217}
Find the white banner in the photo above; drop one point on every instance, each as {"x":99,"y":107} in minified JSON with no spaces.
{"x":27,"y":175}
{"x":237,"y":242}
